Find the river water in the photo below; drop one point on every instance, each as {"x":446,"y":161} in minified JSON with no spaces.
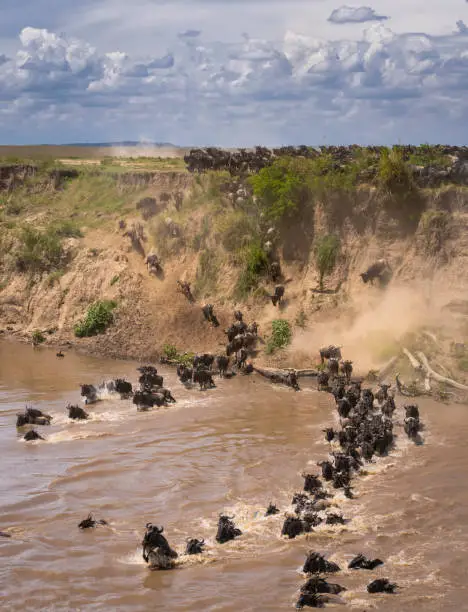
{"x":231,"y":449}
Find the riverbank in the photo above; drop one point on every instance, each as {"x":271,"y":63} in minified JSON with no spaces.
{"x":73,"y":237}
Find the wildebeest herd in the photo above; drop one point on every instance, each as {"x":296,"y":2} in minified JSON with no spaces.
{"x":366,"y":431}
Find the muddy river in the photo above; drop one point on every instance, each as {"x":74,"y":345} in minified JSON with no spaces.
{"x":232,"y":449}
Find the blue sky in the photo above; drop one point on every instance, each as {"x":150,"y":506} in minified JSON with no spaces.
{"x":234,"y":72}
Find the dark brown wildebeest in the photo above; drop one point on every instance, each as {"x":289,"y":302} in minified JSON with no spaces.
{"x":362,"y":562}
{"x":76,"y":413}
{"x":203,"y":378}
{"x":346,"y":368}
{"x":208,"y":313}
{"x":381,"y":585}
{"x":156,"y":549}
{"x":222,"y":363}
{"x":277,"y":297}
{"x":32,"y":416}
{"x":32,"y":435}
{"x":194,"y":546}
{"x":226,"y":529}
{"x":379,"y":270}
{"x":330,"y":352}
{"x":90,"y":523}
{"x":317,"y":564}
{"x":184,"y":288}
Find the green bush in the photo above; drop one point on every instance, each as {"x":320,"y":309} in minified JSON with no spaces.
{"x":283,"y":187}
{"x":98,"y":318}
{"x":37,"y":337}
{"x":39,"y":250}
{"x":254,"y":264}
{"x":237,"y":230}
{"x":171,"y":352}
{"x":327,"y":249}
{"x":280,"y":335}
{"x":66,"y":229}
{"x":394,"y":175}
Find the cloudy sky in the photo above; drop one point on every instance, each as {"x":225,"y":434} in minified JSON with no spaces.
{"x":234,"y":72}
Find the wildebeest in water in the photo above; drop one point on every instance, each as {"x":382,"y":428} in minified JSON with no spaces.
{"x":156,"y":549}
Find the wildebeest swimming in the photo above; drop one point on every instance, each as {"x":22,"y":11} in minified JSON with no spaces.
{"x":194,"y":546}
{"x":381,"y":585}
{"x":226,"y":529}
{"x":156,"y":550}
{"x":32,"y":435}
{"x":362,"y":562}
{"x":32,"y":416}
{"x":90,"y":523}
{"x":77,"y":413}
{"x":93,"y":394}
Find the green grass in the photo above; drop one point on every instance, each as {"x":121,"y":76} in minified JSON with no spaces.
{"x":38,"y":250}
{"x":206,"y":278}
{"x":394,"y":176}
{"x":280,"y":335}
{"x":98,"y":318}
{"x":171,"y":352}
{"x":254,"y":265}
{"x":327,"y":249}
{"x":37,"y":337}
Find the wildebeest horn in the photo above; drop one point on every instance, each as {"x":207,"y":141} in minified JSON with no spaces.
{"x":159,"y":529}
{"x":149,"y":525}
{"x":202,"y":541}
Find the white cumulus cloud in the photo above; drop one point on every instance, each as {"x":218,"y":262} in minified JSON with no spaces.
{"x":355,"y":14}
{"x":381,"y":87}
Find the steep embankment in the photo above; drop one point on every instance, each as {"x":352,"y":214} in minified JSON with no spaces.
{"x":204,"y":231}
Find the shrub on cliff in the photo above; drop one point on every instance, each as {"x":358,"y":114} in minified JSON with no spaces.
{"x":394,"y":175}
{"x":254,"y":264}
{"x":38,"y":250}
{"x":327,"y":249}
{"x":280,"y":335}
{"x":283,"y":187}
{"x":98,"y":318}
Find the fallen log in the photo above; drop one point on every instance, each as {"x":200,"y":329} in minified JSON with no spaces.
{"x":385,"y":369}
{"x":414,"y":362}
{"x":277,"y":376}
{"x":438,"y":377}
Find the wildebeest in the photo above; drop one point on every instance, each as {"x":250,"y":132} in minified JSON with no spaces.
{"x":275,"y":271}
{"x":317,"y":564}
{"x":32,"y":416}
{"x":89,"y":522}
{"x":76,"y":413}
{"x":147,"y":399}
{"x":320,"y":585}
{"x":382,"y":394}
{"x":208,"y":313}
{"x":153,"y":263}
{"x":252,"y":328}
{"x":312,"y":600}
{"x":292,"y":527}
{"x":272,"y":509}
{"x":222,"y":363}
{"x":32,"y":435}
{"x":203,"y":378}
{"x":411,"y":427}
{"x":311,"y":483}
{"x":226,"y":529}
{"x":362,"y":562}
{"x":381,"y":585}
{"x":149,"y":377}
{"x":412,"y":411}
{"x":184,"y":373}
{"x":238,"y":316}
{"x":194,"y":546}
{"x":322,"y":381}
{"x":388,"y":407}
{"x":184,"y":288}
{"x":335,"y":519}
{"x":330,"y":352}
{"x":327,"y":469}
{"x":59,"y":354}
{"x":346,"y":367}
{"x":156,"y":549}
{"x":205,"y":360}
{"x":378,"y":270}
{"x":277,"y":297}
{"x":333,"y":366}
{"x":123,"y":388}
{"x":329,"y":434}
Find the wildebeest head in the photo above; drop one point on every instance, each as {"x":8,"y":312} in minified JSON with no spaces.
{"x":226,"y":529}
{"x":32,"y":435}
{"x":76,"y":412}
{"x":194,"y":546}
{"x":89,"y":392}
{"x":292,"y":527}
{"x":317,"y":564}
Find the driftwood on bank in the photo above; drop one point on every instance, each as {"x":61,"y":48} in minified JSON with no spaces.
{"x":438,"y":377}
{"x":414,"y":362}
{"x":385,"y":369}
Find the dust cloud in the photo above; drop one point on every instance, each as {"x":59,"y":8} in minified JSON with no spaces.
{"x":372,"y":327}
